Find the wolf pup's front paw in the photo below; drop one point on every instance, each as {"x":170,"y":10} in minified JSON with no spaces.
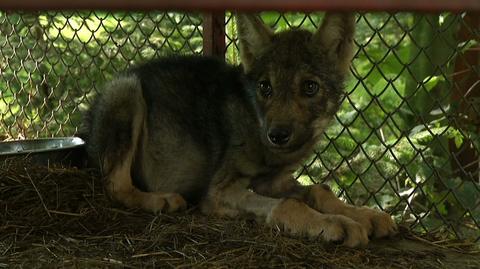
{"x":298,"y":219}
{"x":165,"y":202}
{"x":377,"y":223}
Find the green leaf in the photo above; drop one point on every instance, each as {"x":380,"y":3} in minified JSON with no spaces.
{"x":430,"y":82}
{"x":458,"y":141}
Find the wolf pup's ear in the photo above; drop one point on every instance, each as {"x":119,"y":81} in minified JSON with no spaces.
{"x":336,"y":36}
{"x":253,"y":37}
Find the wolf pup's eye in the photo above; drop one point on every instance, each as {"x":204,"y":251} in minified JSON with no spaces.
{"x":310,"y":88}
{"x":265,"y":88}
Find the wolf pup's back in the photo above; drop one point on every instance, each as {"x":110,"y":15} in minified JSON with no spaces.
{"x":165,"y":117}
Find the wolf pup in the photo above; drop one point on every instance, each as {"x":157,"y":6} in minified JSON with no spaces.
{"x":194,"y":129}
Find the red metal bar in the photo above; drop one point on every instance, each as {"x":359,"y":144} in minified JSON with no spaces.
{"x":247,"y":5}
{"x":214,"y":34}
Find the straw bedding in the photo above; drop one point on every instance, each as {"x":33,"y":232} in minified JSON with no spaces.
{"x":60,"y":217}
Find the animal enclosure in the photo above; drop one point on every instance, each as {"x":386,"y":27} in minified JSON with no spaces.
{"x":407,"y":136}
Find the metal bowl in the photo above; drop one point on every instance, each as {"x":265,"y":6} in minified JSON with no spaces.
{"x":67,"y":151}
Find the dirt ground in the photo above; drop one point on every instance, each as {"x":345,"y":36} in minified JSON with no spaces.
{"x":59,"y":217}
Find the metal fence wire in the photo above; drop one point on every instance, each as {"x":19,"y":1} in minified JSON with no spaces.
{"x":407,"y":137}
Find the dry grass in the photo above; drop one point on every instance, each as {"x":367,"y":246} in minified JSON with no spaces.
{"x":59,"y":217}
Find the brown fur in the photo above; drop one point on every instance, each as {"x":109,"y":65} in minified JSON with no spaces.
{"x":298,"y":219}
{"x":195,"y":129}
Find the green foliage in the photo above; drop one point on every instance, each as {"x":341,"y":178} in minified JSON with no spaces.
{"x":53,"y":62}
{"x":388,"y":145}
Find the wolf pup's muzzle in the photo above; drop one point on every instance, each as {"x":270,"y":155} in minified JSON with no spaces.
{"x":279,"y":135}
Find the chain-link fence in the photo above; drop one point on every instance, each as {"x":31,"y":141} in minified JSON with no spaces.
{"x":53,"y":62}
{"x":406,"y":139}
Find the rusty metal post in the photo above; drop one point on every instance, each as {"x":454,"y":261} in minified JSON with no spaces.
{"x":467,"y":95}
{"x":214,"y":34}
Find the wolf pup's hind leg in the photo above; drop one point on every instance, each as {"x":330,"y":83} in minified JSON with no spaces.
{"x":115,"y":129}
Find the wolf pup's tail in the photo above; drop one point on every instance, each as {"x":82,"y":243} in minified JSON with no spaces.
{"x":113,"y":124}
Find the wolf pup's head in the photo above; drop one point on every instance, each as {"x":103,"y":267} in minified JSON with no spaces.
{"x":298,"y":76}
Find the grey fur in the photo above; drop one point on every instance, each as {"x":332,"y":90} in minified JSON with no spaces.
{"x":196,"y":116}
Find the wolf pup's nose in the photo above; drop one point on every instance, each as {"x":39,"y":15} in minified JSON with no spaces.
{"x":279,"y":136}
